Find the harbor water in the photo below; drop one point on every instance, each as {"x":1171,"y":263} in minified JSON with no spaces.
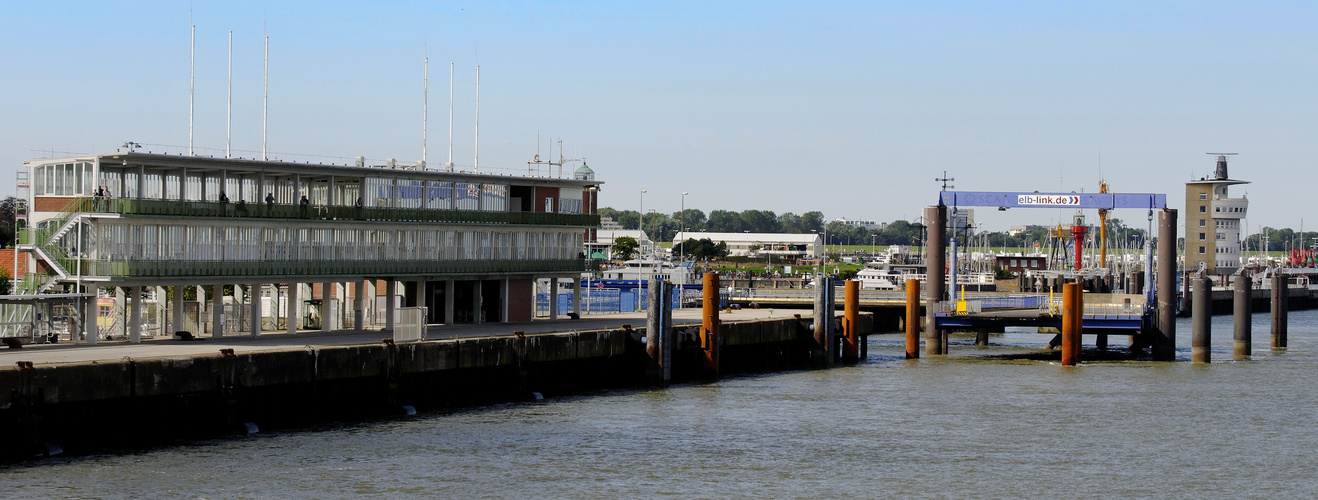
{"x":979,"y":423}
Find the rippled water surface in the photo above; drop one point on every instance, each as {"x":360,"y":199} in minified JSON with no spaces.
{"x":956,"y":427}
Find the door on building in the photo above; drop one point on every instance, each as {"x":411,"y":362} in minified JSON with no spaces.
{"x":435,"y":303}
{"x":492,"y":301}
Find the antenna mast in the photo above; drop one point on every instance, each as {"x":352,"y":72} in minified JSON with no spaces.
{"x":192,"y":79}
{"x":449,"y":166}
{"x":265,"y":100}
{"x":477,"y":166}
{"x":425,"y":106}
{"x":228,"y":122}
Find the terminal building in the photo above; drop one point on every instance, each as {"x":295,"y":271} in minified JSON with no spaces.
{"x":1212,"y":222}
{"x":340,"y":244}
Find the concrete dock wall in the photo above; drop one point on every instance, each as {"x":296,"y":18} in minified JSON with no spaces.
{"x":132,"y":403}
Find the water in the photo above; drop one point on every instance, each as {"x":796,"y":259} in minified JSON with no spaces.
{"x":954,"y":428}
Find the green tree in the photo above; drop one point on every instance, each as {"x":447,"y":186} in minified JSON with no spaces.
{"x":723,"y":221}
{"x":694,"y":220}
{"x":812,"y":221}
{"x":6,"y":286}
{"x":760,"y":221}
{"x":628,"y":219}
{"x":8,"y":208}
{"x":625,"y":247}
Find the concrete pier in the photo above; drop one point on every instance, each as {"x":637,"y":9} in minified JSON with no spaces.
{"x":823,"y":321}
{"x":1072,"y":314}
{"x":1243,"y":337}
{"x":1201,"y":334}
{"x":851,"y":323}
{"x":1164,"y":338}
{"x":1279,"y":310}
{"x":912,"y":319}
{"x":659,"y":342}
{"x":207,"y":389}
{"x":936,"y":223}
{"x":709,"y":329}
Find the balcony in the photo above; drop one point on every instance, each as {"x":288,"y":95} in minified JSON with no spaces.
{"x":238,"y":269}
{"x":174,"y":208}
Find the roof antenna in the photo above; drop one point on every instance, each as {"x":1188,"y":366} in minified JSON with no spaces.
{"x":448,"y":167}
{"x":477,"y":166}
{"x":425,"y":102}
{"x":265,"y":100}
{"x":228,"y":122}
{"x":192,"y":78}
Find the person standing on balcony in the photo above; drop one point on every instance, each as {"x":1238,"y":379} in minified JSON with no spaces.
{"x":303,"y":205}
{"x":269,"y":200}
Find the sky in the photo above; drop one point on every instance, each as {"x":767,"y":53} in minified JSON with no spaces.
{"x":851,"y":109}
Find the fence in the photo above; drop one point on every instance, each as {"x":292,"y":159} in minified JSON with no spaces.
{"x":410,"y":324}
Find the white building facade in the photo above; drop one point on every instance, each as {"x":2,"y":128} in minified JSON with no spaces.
{"x":467,"y":246}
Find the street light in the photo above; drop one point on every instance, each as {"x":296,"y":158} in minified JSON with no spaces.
{"x":640,"y":214}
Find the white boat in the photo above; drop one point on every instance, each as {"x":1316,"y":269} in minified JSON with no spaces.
{"x":890,"y":270}
{"x":638,"y":272}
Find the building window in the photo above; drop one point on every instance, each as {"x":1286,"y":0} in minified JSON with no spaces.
{"x":1203,"y":222}
{"x":1201,"y":249}
{"x":1203,"y":196}
{"x":1203,"y":209}
{"x":1201,"y":236}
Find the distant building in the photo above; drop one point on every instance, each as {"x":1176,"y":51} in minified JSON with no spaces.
{"x":603,"y":243}
{"x":961,"y":221}
{"x":1212,"y":222}
{"x":1018,"y":230}
{"x":863,"y":223}
{"x":1018,"y":263}
{"x":786,"y":245}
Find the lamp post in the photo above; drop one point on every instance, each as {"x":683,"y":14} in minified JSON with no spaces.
{"x":680,"y":255}
{"x":640,"y":214}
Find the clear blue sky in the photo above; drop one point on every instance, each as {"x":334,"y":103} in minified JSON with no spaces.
{"x":848,"y":108}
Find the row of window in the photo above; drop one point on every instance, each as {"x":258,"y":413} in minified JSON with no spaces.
{"x":67,"y":179}
{"x":123,"y":242}
{"x":78,"y":179}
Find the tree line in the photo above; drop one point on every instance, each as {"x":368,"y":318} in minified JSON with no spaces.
{"x":664,"y":227}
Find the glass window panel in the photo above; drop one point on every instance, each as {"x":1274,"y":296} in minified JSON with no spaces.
{"x":466,"y":196}
{"x":494,"y":198}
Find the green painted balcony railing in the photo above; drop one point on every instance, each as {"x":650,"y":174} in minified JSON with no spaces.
{"x":127,"y":206}
{"x":209,"y":268}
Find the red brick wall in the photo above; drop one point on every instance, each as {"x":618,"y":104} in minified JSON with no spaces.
{"x":7,"y":261}
{"x":520,"y":306}
{"x":538,"y":204}
{"x":50,"y":203}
